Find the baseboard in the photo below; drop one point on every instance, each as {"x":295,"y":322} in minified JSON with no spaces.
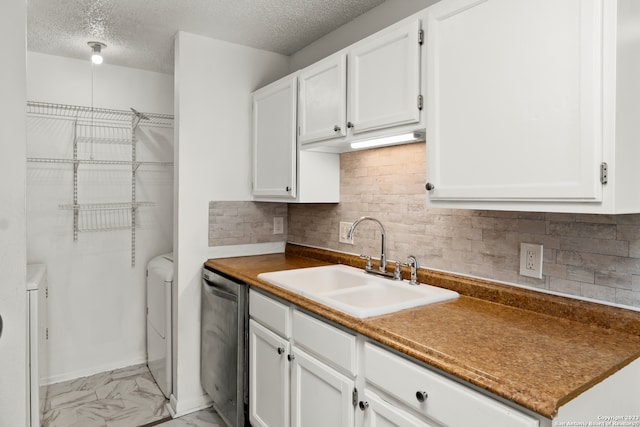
{"x":171,"y":404}
{"x":94,"y":370}
{"x":186,"y":406}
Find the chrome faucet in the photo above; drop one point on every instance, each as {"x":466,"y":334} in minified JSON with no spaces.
{"x":413,"y":264}
{"x":383,"y":259}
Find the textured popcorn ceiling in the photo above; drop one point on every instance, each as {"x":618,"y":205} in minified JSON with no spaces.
{"x":140,"y":33}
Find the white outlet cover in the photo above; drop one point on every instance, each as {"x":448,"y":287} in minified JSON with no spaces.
{"x":535,"y":268}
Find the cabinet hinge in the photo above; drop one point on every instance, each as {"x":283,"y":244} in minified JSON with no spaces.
{"x":46,"y":292}
{"x":46,"y":334}
{"x":298,"y":130}
{"x":420,"y":36}
{"x":420,"y":101}
{"x":604,"y":173}
{"x":354,"y":397}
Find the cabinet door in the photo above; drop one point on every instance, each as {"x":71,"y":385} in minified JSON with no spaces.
{"x":268,"y":378}
{"x":384,"y":80}
{"x":376,"y":412}
{"x":323,"y":100}
{"x":274,"y":140}
{"x":320,"y":396}
{"x":513,"y":106}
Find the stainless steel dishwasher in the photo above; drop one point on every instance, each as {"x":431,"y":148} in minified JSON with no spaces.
{"x":224,"y":337}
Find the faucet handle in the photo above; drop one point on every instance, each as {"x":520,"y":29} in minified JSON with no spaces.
{"x":397,"y":273}
{"x":368,"y":265}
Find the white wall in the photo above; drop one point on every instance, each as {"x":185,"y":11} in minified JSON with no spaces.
{"x":214,"y":81}
{"x":96,"y":299}
{"x":68,"y":81}
{"x":379,"y":17}
{"x":13,"y":398}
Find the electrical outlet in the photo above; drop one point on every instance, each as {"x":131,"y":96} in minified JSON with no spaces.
{"x":278,"y":225}
{"x":531,"y":260}
{"x":344,"y":230}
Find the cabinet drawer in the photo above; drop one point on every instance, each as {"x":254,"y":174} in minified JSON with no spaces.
{"x":272,"y":314}
{"x":446,"y":401}
{"x":332,"y":345}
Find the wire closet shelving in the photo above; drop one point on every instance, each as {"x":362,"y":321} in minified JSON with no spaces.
{"x":102,"y":126}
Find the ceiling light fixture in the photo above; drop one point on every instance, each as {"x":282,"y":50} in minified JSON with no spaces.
{"x":96,"y":49}
{"x":389,"y":140}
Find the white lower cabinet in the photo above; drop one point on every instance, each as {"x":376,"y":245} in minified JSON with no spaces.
{"x":297,"y":384}
{"x":434,"y":396}
{"x":320,"y":396}
{"x":268,"y":377}
{"x":305,"y":372}
{"x":377,"y":412}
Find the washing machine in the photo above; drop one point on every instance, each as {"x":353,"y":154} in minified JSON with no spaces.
{"x":159,"y":283}
{"x":37,"y":342}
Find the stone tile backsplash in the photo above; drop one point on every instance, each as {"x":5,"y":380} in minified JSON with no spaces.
{"x":594,"y":256}
{"x":240,"y":223}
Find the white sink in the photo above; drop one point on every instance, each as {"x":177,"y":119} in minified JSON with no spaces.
{"x":355,"y":292}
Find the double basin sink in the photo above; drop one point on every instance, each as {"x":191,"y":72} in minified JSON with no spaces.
{"x":355,"y":292}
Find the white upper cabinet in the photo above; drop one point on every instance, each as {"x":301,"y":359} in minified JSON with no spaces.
{"x":280,"y":172}
{"x":384,"y":80}
{"x":524,"y":103}
{"x":368,"y":90}
{"x":274,"y":140}
{"x":323,"y":100}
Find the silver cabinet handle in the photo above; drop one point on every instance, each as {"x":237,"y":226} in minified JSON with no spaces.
{"x":363,"y":405}
{"x":290,"y":357}
{"x":280,"y":350}
{"x":336,"y":128}
{"x":421,"y":396}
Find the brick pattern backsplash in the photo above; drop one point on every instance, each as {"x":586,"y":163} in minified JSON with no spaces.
{"x":239,"y":223}
{"x":594,"y":256}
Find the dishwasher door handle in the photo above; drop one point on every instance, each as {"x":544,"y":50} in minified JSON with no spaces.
{"x":211,"y":288}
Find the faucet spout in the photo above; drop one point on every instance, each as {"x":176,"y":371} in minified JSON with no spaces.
{"x":383,"y":258}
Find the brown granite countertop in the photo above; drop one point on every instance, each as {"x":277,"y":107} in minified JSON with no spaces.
{"x":537,"y":350}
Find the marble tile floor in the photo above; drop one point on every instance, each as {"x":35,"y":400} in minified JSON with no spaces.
{"x":126,"y":397}
{"x":204,"y":418}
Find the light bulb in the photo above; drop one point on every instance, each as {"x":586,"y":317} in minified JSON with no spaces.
{"x":96,"y":49}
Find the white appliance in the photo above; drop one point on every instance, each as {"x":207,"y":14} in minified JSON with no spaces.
{"x":159,"y":282}
{"x":37,"y":342}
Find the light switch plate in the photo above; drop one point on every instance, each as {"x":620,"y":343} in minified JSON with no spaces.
{"x":278,"y":225}
{"x":531,"y":260}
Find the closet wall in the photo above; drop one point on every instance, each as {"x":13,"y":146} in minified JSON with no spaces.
{"x":13,"y":19}
{"x":97,"y":299}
